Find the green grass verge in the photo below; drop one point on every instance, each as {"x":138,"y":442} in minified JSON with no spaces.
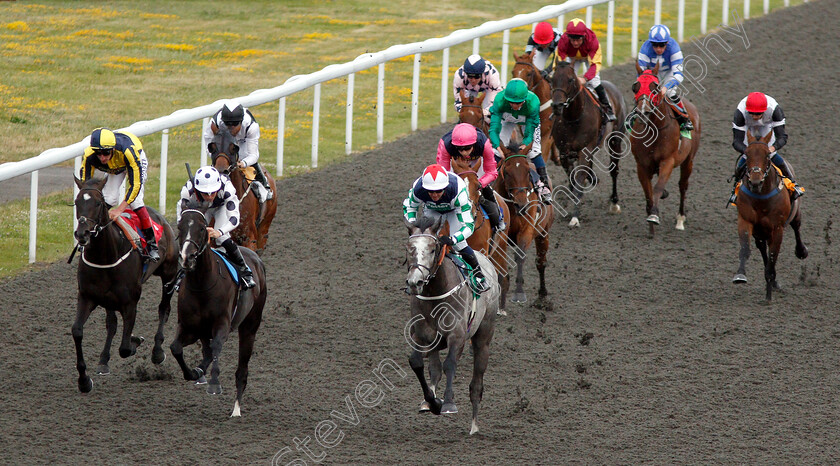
{"x":70,"y":67}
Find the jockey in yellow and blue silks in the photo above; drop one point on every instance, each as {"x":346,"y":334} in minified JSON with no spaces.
{"x":759,"y":114}
{"x":661,"y":49}
{"x":121,"y":156}
{"x":519,"y":106}
{"x":444,"y":194}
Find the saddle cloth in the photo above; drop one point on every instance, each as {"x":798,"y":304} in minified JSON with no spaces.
{"x":484,"y":212}
{"x":230,"y":268}
{"x":133,"y":221}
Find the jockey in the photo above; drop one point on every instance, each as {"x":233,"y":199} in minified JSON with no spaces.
{"x":477,"y":75}
{"x":210,"y":186}
{"x":244,"y":128}
{"x":120,"y":154}
{"x":444,"y":194}
{"x":579,"y":45}
{"x":662,"y":49}
{"x":467,"y":141}
{"x":543,"y":42}
{"x":759,"y":114}
{"x":519,"y":106}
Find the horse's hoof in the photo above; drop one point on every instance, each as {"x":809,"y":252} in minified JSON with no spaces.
{"x":802,"y":253}
{"x":653,"y":218}
{"x":519,"y":297}
{"x":776,"y":286}
{"x":449,"y":408}
{"x":158,"y":355}
{"x":425,"y":407}
{"x":501,"y":312}
{"x":574,"y":222}
{"x":680,"y":222}
{"x":435,"y":406}
{"x":739,"y":278}
{"x":473,"y":427}
{"x":103,"y":369}
{"x":85,"y":384}
{"x":614,"y":209}
{"x":137,"y":341}
{"x":236,"y":411}
{"x":214,"y":389}
{"x":665,"y":194}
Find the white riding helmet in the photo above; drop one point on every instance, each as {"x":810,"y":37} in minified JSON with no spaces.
{"x":208,"y":180}
{"x":435,"y":178}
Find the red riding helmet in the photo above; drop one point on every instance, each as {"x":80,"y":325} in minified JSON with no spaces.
{"x":756,"y":102}
{"x":576,"y":27}
{"x":543,"y":33}
{"x":464,"y":135}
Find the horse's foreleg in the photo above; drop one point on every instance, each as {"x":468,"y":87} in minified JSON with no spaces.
{"x":615,"y":150}
{"x":773,"y":255}
{"x":541,"y":260}
{"x":647,"y":187}
{"x":455,"y":344}
{"x":415,"y":360}
{"x":685,"y":172}
{"x":164,"y":308}
{"x":214,"y":387}
{"x":111,"y":330}
{"x":435,"y":370}
{"x":481,"y":354}
{"x":246,"y":347}
{"x":183,"y":338}
{"x":518,"y":292}
{"x":129,"y":343}
{"x":84,"y":307}
{"x":744,"y":233}
{"x":665,"y":169}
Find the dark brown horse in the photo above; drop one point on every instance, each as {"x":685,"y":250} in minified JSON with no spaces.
{"x":483,"y":238}
{"x":211,"y":306}
{"x":764,"y":209}
{"x":657,"y":145}
{"x":255,"y":218}
{"x":445,"y":313}
{"x":472,"y":111}
{"x":530,"y":219}
{"x":111,"y":274}
{"x":580,"y":131}
{"x":525,"y":70}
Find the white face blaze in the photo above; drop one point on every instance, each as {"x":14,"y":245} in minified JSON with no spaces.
{"x":421,"y":251}
{"x":86,"y":196}
{"x":186,"y":242}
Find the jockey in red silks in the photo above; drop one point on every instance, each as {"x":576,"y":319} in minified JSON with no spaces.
{"x":580,"y":45}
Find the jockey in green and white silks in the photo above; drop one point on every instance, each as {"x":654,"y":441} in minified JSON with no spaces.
{"x":444,"y":194}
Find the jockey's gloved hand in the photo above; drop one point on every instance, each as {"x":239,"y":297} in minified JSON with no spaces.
{"x":211,"y":148}
{"x":447,"y":240}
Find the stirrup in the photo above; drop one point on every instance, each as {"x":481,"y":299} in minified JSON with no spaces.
{"x":609,"y":113}
{"x":502,"y":226}
{"x":798,"y":191}
{"x":732,"y":198}
{"x":246,"y":282}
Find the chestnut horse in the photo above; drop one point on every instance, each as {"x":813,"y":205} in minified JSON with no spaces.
{"x":580,"y":131}
{"x":530,"y":219}
{"x":472,"y":111}
{"x":483,"y":239}
{"x":764,"y":209}
{"x":528,"y":72}
{"x":657,"y":145}
{"x":111,"y":274}
{"x":255,"y":217}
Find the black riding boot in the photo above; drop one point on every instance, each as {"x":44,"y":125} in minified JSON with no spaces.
{"x":797,"y":191}
{"x":605,"y":102}
{"x":544,"y":178}
{"x":488,"y":201}
{"x":685,"y":122}
{"x":151,"y":244}
{"x":259,"y":177}
{"x":235,"y":255}
{"x":469,"y":257}
{"x":740,"y":171}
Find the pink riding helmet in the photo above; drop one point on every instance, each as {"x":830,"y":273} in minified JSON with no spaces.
{"x":464,"y":135}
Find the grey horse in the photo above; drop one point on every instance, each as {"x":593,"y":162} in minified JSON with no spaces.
{"x":446,"y":314}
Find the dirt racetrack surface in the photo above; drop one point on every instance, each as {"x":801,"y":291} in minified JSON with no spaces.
{"x":644,"y":352}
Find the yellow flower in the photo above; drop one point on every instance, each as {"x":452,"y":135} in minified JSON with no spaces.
{"x":17,"y":26}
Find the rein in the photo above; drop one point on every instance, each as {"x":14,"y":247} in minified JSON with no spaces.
{"x":95,"y":230}
{"x":528,"y":190}
{"x":757,"y":169}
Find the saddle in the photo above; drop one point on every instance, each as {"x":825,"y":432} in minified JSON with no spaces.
{"x":129,"y":223}
{"x":466,"y":272}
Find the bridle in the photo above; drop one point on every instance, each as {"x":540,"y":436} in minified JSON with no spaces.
{"x":199,"y":247}
{"x":757,"y":169}
{"x":94,"y":227}
{"x":535,"y":74}
{"x":558,"y":106}
{"x":476,"y":208}
{"x":438,"y":258}
{"x":516,"y":189}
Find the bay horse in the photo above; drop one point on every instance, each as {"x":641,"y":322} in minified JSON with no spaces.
{"x":472,"y":111}
{"x":255,"y":218}
{"x":764,"y":209}
{"x":211,"y":306}
{"x":657,"y":145}
{"x":580,"y":131}
{"x":111,"y":274}
{"x":483,"y":239}
{"x":446,"y":313}
{"x":525,"y":70}
{"x":530,"y":219}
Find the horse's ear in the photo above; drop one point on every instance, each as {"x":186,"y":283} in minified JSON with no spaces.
{"x":411,"y":227}
{"x":480,"y":98}
{"x":750,"y":138}
{"x":463,"y":96}
{"x":767,"y":137}
{"x":101,"y":183}
{"x":656,"y":70}
{"x":531,"y":54}
{"x":635,"y":87}
{"x":435,"y":228}
{"x":78,"y":181}
{"x":638,"y":69}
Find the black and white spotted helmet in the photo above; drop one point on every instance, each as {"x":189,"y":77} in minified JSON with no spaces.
{"x":208,"y":180}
